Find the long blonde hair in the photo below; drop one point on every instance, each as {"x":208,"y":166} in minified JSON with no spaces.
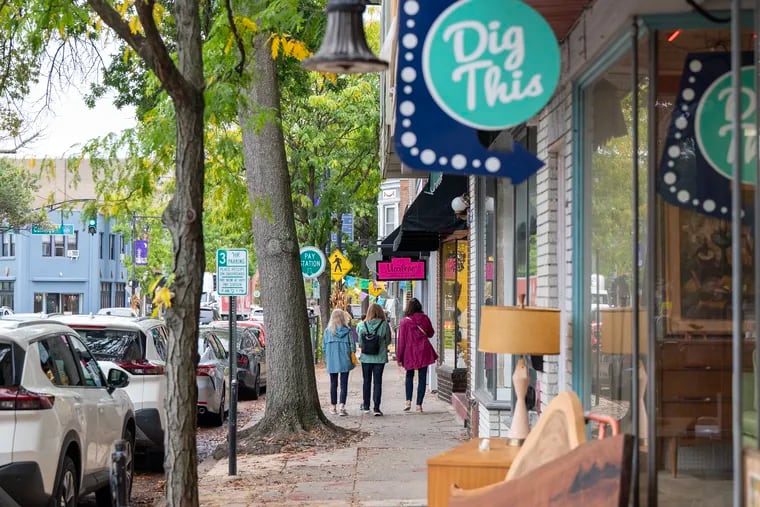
{"x":375,"y":311}
{"x":337,"y":318}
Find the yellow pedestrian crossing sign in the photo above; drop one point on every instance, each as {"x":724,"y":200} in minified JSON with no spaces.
{"x":339,"y":265}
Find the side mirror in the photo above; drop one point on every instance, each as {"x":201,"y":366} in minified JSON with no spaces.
{"x":117,"y":378}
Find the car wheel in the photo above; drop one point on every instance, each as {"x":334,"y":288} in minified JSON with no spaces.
{"x":218,"y":419}
{"x":66,"y":493}
{"x":256,"y":391}
{"x":104,"y":496}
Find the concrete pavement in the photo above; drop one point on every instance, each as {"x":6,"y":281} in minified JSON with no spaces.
{"x":388,"y":468}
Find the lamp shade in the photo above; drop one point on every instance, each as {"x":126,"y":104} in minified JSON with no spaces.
{"x":617,"y":330}
{"x":516,"y":330}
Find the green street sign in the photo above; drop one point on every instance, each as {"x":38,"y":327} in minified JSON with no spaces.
{"x":64,"y":229}
{"x":232,"y":272}
{"x":313,"y":262}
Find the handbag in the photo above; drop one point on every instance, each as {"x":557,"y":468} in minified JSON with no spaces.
{"x":424,"y":334}
{"x":354,"y":360}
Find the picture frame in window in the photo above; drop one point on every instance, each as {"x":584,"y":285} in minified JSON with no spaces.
{"x":698,"y":271}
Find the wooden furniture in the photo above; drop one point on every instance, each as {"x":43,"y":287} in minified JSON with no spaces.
{"x":594,"y":474}
{"x":556,"y":467}
{"x":695,"y":379}
{"x":468,"y":467}
{"x":694,"y":385}
{"x":560,"y":429}
{"x":672,"y":430}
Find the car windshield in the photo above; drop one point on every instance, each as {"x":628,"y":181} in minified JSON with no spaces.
{"x":112,"y":344}
{"x":6,"y":365}
{"x":207,"y":315}
{"x":224,"y":338}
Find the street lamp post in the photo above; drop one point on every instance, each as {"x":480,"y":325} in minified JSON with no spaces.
{"x":135,"y":217}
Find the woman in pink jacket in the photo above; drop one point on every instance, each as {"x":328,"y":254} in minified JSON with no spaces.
{"x":414,"y":351}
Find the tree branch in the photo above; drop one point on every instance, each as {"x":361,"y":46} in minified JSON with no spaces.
{"x":230,"y":18}
{"x":19,"y":145}
{"x":150,"y":47}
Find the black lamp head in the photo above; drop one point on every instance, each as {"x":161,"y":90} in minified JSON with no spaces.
{"x":344,"y":49}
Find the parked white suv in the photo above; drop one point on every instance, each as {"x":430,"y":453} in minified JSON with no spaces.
{"x":138,"y":347}
{"x":59,"y":417}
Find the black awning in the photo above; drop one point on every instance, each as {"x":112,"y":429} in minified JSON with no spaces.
{"x":430,"y":216}
{"x":386,"y":245}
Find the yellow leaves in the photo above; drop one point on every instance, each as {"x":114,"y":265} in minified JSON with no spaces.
{"x":123,"y":7}
{"x":134,"y":25}
{"x":247,"y":23}
{"x":290,"y":47}
{"x":163,"y":297}
{"x":230,"y":42}
{"x":158,"y":13}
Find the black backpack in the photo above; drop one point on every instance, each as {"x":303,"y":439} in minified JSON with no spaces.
{"x":371,"y":340}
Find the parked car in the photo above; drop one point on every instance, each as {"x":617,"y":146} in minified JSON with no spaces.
{"x":257,"y":314}
{"x":209,"y":314}
{"x":211,"y":377}
{"x":251,"y":355}
{"x":255,"y":324}
{"x":118,"y":312}
{"x":138,"y":347}
{"x":59,"y":417}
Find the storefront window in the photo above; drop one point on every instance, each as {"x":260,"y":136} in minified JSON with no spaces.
{"x":693,"y":294}
{"x":454,"y":307}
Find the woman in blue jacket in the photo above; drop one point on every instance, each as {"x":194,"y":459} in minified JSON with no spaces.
{"x":337,"y":346}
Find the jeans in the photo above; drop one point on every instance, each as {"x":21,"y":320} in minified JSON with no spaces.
{"x":334,"y":387}
{"x":421,"y":384}
{"x":373,"y":374}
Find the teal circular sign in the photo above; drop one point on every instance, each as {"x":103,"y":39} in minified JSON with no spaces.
{"x":714,"y":125}
{"x":313,"y":262}
{"x":490,"y":66}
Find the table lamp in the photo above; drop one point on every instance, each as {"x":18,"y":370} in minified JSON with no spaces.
{"x":617,"y":339}
{"x":523,"y":331}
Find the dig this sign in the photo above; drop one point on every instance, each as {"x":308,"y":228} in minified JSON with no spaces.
{"x":401,"y":268}
{"x":465,"y":66}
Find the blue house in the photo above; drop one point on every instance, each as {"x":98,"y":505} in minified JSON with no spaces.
{"x":65,"y":268}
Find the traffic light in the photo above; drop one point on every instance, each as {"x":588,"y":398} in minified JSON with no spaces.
{"x":92,"y":225}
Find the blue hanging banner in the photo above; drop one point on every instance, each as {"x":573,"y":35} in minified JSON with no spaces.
{"x":466,"y":66}
{"x":696,"y":168}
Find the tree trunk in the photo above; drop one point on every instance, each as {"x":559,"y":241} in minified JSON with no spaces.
{"x":292,"y":402}
{"x":183,"y":217}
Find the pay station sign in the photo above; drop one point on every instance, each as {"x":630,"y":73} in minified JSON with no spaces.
{"x":232,"y":272}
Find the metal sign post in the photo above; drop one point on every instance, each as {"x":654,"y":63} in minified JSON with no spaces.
{"x":232,"y":428}
{"x":232,"y":280}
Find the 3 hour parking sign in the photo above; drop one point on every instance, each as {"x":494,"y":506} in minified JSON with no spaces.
{"x":232,"y":272}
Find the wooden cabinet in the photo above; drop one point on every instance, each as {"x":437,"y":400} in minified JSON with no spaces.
{"x":694,"y":380}
{"x":468,"y":467}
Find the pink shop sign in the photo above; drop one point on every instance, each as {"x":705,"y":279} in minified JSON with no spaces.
{"x":401,"y":268}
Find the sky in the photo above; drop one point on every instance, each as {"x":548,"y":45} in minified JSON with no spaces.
{"x":69,"y":123}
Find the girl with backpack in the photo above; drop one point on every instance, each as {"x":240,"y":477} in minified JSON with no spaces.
{"x":374,"y":339}
{"x":414,"y":351}
{"x":337,"y":347}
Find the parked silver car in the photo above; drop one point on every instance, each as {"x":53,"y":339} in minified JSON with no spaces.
{"x":211,"y":376}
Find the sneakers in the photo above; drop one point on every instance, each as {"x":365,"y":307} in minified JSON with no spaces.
{"x":365,"y":410}
{"x":343,"y":412}
{"x":377,"y":413}
{"x":334,"y":411}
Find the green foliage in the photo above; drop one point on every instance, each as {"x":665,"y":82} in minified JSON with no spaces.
{"x":17,"y":196}
{"x":612,"y":191}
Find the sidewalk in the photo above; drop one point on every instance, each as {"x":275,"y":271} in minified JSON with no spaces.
{"x":388,"y":468}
